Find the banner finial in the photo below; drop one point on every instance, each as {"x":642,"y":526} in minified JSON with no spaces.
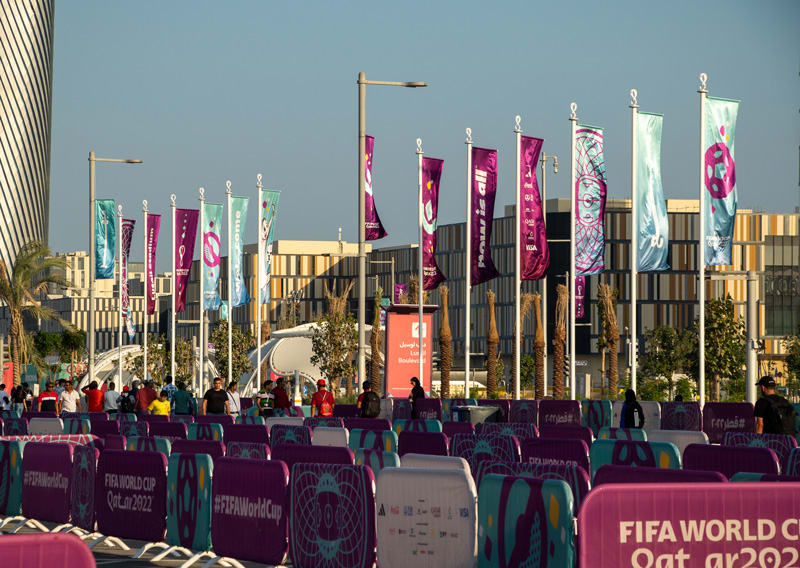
{"x":258,"y":182}
{"x":172,"y":198}
{"x":419,"y":145}
{"x":517,"y":120}
{"x":228,"y":186}
{"x":202,"y":192}
{"x":703,"y":82}
{"x":634,"y":98}
{"x":119,"y":209}
{"x":573,"y":111}
{"x":469,"y":136}
{"x":144,"y":205}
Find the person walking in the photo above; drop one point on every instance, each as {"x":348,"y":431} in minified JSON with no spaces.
{"x":630,"y":408}
{"x":145,"y":396}
{"x":48,"y":400}
{"x":160,"y":406}
{"x":170,"y":388}
{"x":5,"y":399}
{"x":94,"y":397}
{"x":369,"y":403}
{"x":265,"y":399}
{"x":215,"y":401}
{"x":322,"y":402}
{"x":18,"y":399}
{"x":774,"y":414}
{"x":417,"y":392}
{"x":70,"y":399}
{"x":282,"y":402}
{"x":234,"y":400}
{"x":182,"y":400}
{"x":110,"y":399}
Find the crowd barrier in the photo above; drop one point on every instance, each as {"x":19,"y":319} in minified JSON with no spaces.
{"x":555,"y":412}
{"x":332,"y":520}
{"x":204,"y":431}
{"x":415,"y":425}
{"x":148,"y":444}
{"x":635,"y":454}
{"x":129,"y":429}
{"x":214,"y":448}
{"x":11,"y":452}
{"x":450,"y":429}
{"x":596,"y":414}
{"x":42,"y":426}
{"x":103,"y":429}
{"x":793,"y":463}
{"x":346,"y":411}
{"x":567,"y":431}
{"x":504,"y":406}
{"x":681,"y":416}
{"x":46,"y":484}
{"x":291,"y":454}
{"x":33,"y":414}
{"x":425,"y":461}
{"x":125,"y":417}
{"x":729,"y":460}
{"x":328,"y":422}
{"x":172,"y":430}
{"x":441,"y":501}
{"x":77,"y":426}
{"x":367,"y":424}
{"x":429,"y":409}
{"x":376,"y":459}
{"x":9,"y":414}
{"x":521,"y":430}
{"x":681,"y":438}
{"x":115,"y":442}
{"x":449,"y":403}
{"x":154,"y":418}
{"x":485,"y":447}
{"x":53,"y":438}
{"x":1,"y":426}
{"x":574,"y":476}
{"x":330,"y":437}
{"x":721,"y":417}
{"x":781,"y":444}
{"x":384,"y":440}
{"x":223,"y":419}
{"x":626,"y":474}
{"x":288,"y":420}
{"x":746,"y":477}
{"x":42,"y":550}
{"x":650,"y":408}
{"x":543,"y":507}
{"x":524,"y":411}
{"x":286,"y":434}
{"x":15,"y":427}
{"x":433,"y":443}
{"x":555,"y":451}
{"x":247,"y":450}
{"x":401,"y":409}
{"x":250,"y":419}
{"x":185,"y":418}
{"x":622,"y":434}
{"x":84,"y":473}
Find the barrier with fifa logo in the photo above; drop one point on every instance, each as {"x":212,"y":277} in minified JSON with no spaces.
{"x":721,"y":417}
{"x":557,"y":412}
{"x":555,"y":451}
{"x":46,"y":481}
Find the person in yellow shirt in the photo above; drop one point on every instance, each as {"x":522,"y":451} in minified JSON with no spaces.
{"x":160,"y":405}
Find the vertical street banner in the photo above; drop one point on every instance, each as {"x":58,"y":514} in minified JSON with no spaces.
{"x":590,"y":200}
{"x":651,"y":212}
{"x":482,"y":196}
{"x":125,"y":306}
{"x":431,"y":175}
{"x":580,"y":295}
{"x":238,"y":219}
{"x":373,"y":228}
{"x":153,"y":225}
{"x":534,"y":252}
{"x":268,"y":209}
{"x":399,"y":290}
{"x":105,"y":238}
{"x":212,"y":250}
{"x":720,"y":179}
{"x":185,"y":236}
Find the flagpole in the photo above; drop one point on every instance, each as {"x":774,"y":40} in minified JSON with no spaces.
{"x":230,"y":287}
{"x":701,"y":245}
{"x":201,"y":273}
{"x":262,"y":250}
{"x":573,"y":118}
{"x":634,"y":105}
{"x":174,"y":291}
{"x":544,"y":280}
{"x":517,"y":265}
{"x":468,"y":267}
{"x":119,"y":290}
{"x":146,"y":297}
{"x":420,"y":274}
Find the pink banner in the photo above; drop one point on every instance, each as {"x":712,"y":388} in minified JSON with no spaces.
{"x":534,"y":252}
{"x":373,"y":228}
{"x":185,"y":237}
{"x":125,"y":304}
{"x":580,"y":296}
{"x":431,"y":175}
{"x":153,"y":224}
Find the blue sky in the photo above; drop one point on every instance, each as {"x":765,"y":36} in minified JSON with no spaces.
{"x":207,"y":91}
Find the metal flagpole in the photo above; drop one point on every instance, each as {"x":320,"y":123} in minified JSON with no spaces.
{"x":230,"y":287}
{"x":634,"y":235}
{"x":201,"y":273}
{"x":701,"y":244}
{"x":262,"y":249}
{"x":468,"y":267}
{"x":146,"y":297}
{"x":420,"y":274}
{"x":119,"y":291}
{"x":517,"y":265}
{"x":573,"y":107}
{"x":174,"y":291}
{"x":544,"y":280}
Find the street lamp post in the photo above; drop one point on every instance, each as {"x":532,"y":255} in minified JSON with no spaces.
{"x":362,"y":257}
{"x":92,"y":160}
{"x":554,"y":159}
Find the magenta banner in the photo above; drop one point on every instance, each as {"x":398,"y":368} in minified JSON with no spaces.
{"x":399,"y":290}
{"x":580,"y":295}
{"x":721,"y":525}
{"x":125,"y":304}
{"x":373,"y":228}
{"x":484,"y":190}
{"x":431,"y":175}
{"x":185,"y":237}
{"x":534,"y":252}
{"x":153,"y":224}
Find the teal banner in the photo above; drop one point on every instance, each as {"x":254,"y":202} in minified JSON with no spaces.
{"x":719,"y":174}
{"x":210,"y":233}
{"x":105,"y":238}
{"x":267,"y":210}
{"x":651,"y":209}
{"x":238,"y":218}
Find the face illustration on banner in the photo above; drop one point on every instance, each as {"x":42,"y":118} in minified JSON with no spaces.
{"x":590,"y":190}
{"x":368,"y":172}
{"x":720,"y":169}
{"x":428,"y":218}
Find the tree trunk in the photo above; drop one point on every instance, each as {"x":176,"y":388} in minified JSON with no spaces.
{"x":445,"y":344}
{"x":716,"y":388}
{"x":613,"y":363}
{"x":265,"y":333}
{"x":375,"y":347}
{"x":492,"y":341}
{"x":603,"y":374}
{"x":559,"y":340}
{"x":538,"y":347}
{"x":16,"y":336}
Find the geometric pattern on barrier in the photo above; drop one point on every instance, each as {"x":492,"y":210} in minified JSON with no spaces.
{"x":185,"y":418}
{"x":485,"y":447}
{"x":148,"y":444}
{"x":518,"y":429}
{"x":245,"y":433}
{"x":622,"y":434}
{"x":327,"y":422}
{"x":330,"y":437}
{"x":189,"y":501}
{"x":9,"y":414}
{"x":376,"y":459}
{"x":442,"y":501}
{"x":346,"y":411}
{"x":247,"y":450}
{"x":624,"y":474}
{"x":416,"y":426}
{"x":432,"y":443}
{"x":681,"y":438}
{"x":503,"y":405}
{"x":555,"y":451}
{"x":681,"y":416}
{"x":46,"y":481}
{"x":11,"y":477}
{"x":172,"y":430}
{"x":401,"y":410}
{"x":15,"y":427}
{"x":130,"y":429}
{"x":293,"y":421}
{"x":567,"y":431}
{"x":245,"y":419}
{"x":204,"y":431}
{"x":793,"y":463}
{"x":596,"y":414}
{"x":524,"y":411}
{"x":285,"y":434}
{"x":77,"y":426}
{"x":367,"y":423}
{"x":332,"y":520}
{"x":574,"y":476}
{"x":126,"y":417}
{"x":556,"y":412}
{"x":651,"y":414}
{"x":214,"y":448}
{"x":722,"y":417}
{"x":250,"y":510}
{"x":429,"y":409}
{"x":729,"y":460}
{"x":625,"y":452}
{"x":384,"y":440}
{"x":524,"y":522}
{"x":781,"y":444}
{"x":449,"y":403}
{"x":84,"y":469}
{"x":450,"y":429}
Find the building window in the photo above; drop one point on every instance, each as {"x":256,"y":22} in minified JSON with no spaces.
{"x":782,"y":285}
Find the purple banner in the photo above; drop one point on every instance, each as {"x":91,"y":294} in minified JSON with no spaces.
{"x":399,"y":290}
{"x":534,"y":252}
{"x":46,"y":481}
{"x":721,"y":417}
{"x":153,"y":224}
{"x":250,"y":510}
{"x":556,"y":412}
{"x":590,"y":200}
{"x":431,"y":175}
{"x":484,"y":190}
{"x":693,"y":524}
{"x":185,"y":237}
{"x":580,"y":295}
{"x":126,"y":237}
{"x":373,"y":228}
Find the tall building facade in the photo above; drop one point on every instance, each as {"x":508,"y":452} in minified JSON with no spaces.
{"x":26,"y":88}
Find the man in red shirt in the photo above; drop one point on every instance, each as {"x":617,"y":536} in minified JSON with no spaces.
{"x":282,"y":403}
{"x":322,"y":402}
{"x":145,"y":396}
{"x":48,"y":400}
{"x":94,"y":397}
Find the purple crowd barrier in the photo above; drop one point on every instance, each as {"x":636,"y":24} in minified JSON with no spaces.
{"x":346,"y":411}
{"x":115,"y":442}
{"x":333,"y":510}
{"x":367,"y":424}
{"x":574,"y":476}
{"x":214,"y":448}
{"x":327,"y":422}
{"x":401,"y":409}
{"x":681,"y":416}
{"x":296,"y":412}
{"x":559,"y":412}
{"x":223,"y":419}
{"x":247,"y":450}
{"x":255,"y":433}
{"x":84,"y":470}
{"x":450,"y":429}
{"x":288,"y":434}
{"x":567,"y":431}
{"x":50,"y":549}
{"x":525,"y":411}
{"x":46,"y":481}
{"x":431,"y":443}
{"x":627,"y":474}
{"x":32,"y":414}
{"x":250,"y":510}
{"x":477,"y":448}
{"x":503,"y":404}
{"x":154,"y":418}
{"x":781,"y":444}
{"x":429,"y":409}
{"x":130,"y":429}
{"x":729,"y":460}
{"x":172,"y":430}
{"x":521,"y":430}
{"x":185,"y":418}
{"x":15,"y":426}
{"x":131,"y":495}
{"x":99,"y":416}
{"x":291,"y":454}
{"x":721,"y":417}
{"x":556,"y":451}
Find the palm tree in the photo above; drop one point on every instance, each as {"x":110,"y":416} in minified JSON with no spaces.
{"x":538,"y":347}
{"x":525,"y":303}
{"x":559,"y":341}
{"x":492,"y":341}
{"x":445,"y":344}
{"x":608,"y":305}
{"x":375,"y":345}
{"x":21,"y":290}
